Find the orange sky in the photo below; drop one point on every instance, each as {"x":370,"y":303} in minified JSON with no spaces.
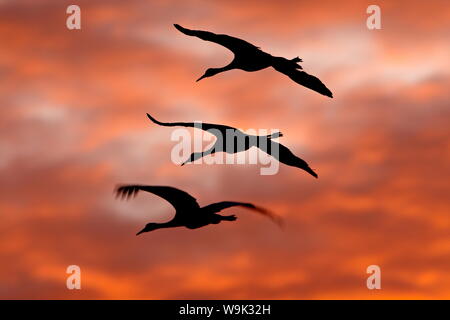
{"x":73,"y":126}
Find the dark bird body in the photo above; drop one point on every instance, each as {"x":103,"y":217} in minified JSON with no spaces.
{"x":232,"y":140}
{"x":250,"y":58}
{"x":188,"y":213}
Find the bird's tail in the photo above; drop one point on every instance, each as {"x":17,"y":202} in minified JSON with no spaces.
{"x":296,"y":60}
{"x":283,"y":65}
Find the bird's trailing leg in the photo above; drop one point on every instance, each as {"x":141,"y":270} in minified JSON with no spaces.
{"x":229,"y":218}
{"x":296,"y":60}
{"x":274,"y":135}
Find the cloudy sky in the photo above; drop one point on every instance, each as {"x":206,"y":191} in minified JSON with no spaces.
{"x":73,"y":126}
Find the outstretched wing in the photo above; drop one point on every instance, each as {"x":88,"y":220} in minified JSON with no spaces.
{"x":180,"y":200}
{"x":199,"y":125}
{"x":305,"y":80}
{"x":284,"y":155}
{"x":219,"y":206}
{"x":231,"y":43}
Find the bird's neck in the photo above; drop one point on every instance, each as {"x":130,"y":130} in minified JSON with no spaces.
{"x":223,"y":69}
{"x":169,"y":224}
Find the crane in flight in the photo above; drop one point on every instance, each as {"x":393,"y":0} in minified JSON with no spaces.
{"x":188,"y":213}
{"x":264,"y":143}
{"x":249,"y":57}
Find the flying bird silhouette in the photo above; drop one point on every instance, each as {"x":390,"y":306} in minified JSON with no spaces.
{"x":250,"y":58}
{"x":188,"y":213}
{"x":232,"y":140}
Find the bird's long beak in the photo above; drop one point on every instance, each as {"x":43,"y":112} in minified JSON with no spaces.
{"x":203,"y":76}
{"x":142,"y":231}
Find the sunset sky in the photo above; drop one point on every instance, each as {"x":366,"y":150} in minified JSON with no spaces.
{"x":73,"y":127}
